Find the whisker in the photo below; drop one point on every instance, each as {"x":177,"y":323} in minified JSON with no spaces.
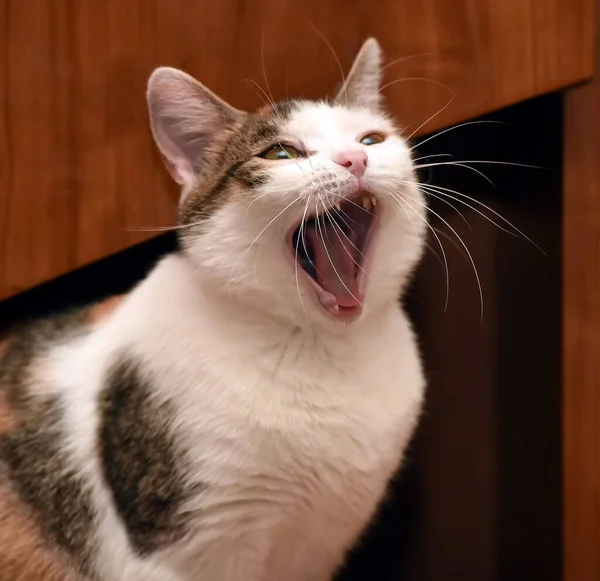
{"x":420,"y":143}
{"x":327,"y":213}
{"x":256,"y":200}
{"x":432,"y":117}
{"x":437,"y":256}
{"x":154,"y":229}
{"x":335,"y":56}
{"x":259,"y":235}
{"x":289,"y":156}
{"x":254,"y":85}
{"x":340,"y":212}
{"x":325,"y":210}
{"x":433,"y":155}
{"x":451,"y":240}
{"x":164,"y":228}
{"x":264,"y":72}
{"x":475,"y":271}
{"x":444,"y":191}
{"x":400,"y":201}
{"x":302,"y":235}
{"x":439,"y":197}
{"x":425,"y":79}
{"x":296,"y":257}
{"x":271,"y":222}
{"x":443,"y":263}
{"x":406,"y":58}
{"x":428,"y":193}
{"x":349,"y":200}
{"x":337,"y":227}
{"x":493,"y":162}
{"x":331,"y":262}
{"x":516,"y":232}
{"x":459,"y":164}
{"x":312,"y":170}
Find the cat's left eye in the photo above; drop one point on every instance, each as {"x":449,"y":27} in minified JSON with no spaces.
{"x":372,"y":139}
{"x":281,"y":152}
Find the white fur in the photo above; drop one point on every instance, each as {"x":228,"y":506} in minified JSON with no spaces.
{"x":293,"y":421}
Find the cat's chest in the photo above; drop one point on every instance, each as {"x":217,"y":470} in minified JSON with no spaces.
{"x":280,"y":475}
{"x":308,"y":440}
{"x":294,"y":479}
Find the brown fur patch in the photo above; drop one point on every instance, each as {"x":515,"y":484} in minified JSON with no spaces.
{"x":3,"y":346}
{"x":8,"y":420}
{"x":24,"y":554}
{"x":145,"y":476}
{"x":33,"y":457}
{"x":104,"y":309}
{"x":233,"y":171}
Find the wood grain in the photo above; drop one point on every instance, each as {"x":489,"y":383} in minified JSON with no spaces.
{"x":79,"y":171}
{"x":581,"y":333}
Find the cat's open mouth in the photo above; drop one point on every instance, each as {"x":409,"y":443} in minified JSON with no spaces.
{"x":332,"y":248}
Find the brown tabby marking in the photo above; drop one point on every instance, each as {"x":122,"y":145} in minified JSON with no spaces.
{"x":236,"y":169}
{"x":104,"y":309}
{"x":145,"y":477}
{"x":24,"y":554}
{"x":8,"y":421}
{"x":3,"y":347}
{"x":33,"y":457}
{"x":7,"y":417}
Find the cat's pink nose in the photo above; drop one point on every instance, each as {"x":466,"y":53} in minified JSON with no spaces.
{"x":355,"y":161}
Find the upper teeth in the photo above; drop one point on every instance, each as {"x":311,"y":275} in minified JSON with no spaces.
{"x":368,"y":203}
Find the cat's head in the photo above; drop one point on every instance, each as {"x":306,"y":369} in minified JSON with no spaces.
{"x":306,"y":210}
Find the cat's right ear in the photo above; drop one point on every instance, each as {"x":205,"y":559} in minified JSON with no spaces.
{"x":362,"y":85}
{"x":186,"y":120}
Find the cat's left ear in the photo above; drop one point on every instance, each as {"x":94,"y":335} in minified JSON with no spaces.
{"x":186,"y":119}
{"x":361,"y":88}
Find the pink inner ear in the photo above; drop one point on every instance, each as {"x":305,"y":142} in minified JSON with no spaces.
{"x":179,"y":166}
{"x":185,"y":117}
{"x":181,"y":171}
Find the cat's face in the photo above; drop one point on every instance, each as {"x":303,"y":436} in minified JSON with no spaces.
{"x":307,"y":210}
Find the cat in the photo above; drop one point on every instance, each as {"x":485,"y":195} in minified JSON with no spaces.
{"x":238,"y":415}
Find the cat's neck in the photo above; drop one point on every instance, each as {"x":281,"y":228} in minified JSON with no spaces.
{"x":175,"y":296}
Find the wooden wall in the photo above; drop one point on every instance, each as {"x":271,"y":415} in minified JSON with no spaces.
{"x":581,"y":332}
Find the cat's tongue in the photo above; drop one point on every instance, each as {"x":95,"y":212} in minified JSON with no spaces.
{"x":335,"y":263}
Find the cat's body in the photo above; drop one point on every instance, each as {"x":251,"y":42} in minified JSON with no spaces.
{"x":213,"y":424}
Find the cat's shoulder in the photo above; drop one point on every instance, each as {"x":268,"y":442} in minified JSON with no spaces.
{"x":28,"y":335}
{"x":25,"y":347}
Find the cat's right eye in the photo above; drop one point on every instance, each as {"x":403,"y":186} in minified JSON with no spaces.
{"x":372,"y":139}
{"x":281,"y":152}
